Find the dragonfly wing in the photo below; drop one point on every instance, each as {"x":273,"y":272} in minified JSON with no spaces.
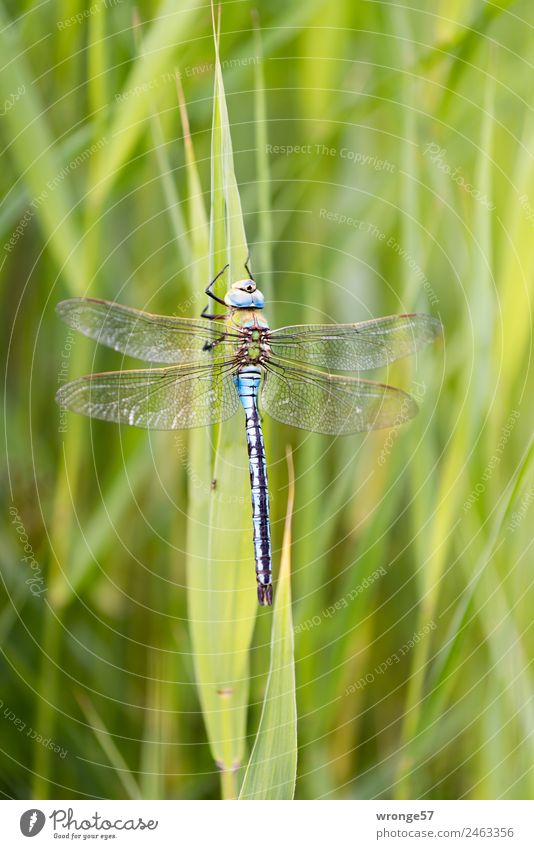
{"x":333,"y":404}
{"x":157,"y":399}
{"x":156,"y":338}
{"x":355,"y":347}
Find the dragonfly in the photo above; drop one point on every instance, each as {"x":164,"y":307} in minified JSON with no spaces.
{"x":224,"y":360}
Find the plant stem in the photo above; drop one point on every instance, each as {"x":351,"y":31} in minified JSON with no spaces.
{"x":229,"y":784}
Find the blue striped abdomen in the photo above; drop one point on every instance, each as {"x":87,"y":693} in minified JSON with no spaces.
{"x":247,"y":383}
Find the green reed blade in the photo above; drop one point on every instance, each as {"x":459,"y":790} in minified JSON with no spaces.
{"x":265,"y":234}
{"x":170,"y":30}
{"x":34,"y":153}
{"x":109,"y":747}
{"x":221,"y":587}
{"x":272,"y":768}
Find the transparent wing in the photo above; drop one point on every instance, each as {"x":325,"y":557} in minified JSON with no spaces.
{"x":158,"y":399}
{"x":156,"y":338}
{"x":333,"y":404}
{"x":355,"y":347}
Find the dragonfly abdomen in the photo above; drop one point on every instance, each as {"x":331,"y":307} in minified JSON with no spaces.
{"x":247,"y":383}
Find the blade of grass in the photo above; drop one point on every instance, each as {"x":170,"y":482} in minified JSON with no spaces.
{"x":515,"y":272}
{"x":20,"y":197}
{"x":109,"y":747}
{"x":98,"y":531}
{"x":78,"y":260}
{"x":98,"y":66}
{"x":157,"y":731}
{"x":432,"y":567}
{"x":170,"y":29}
{"x":221,"y":597}
{"x":272,"y":767}
{"x":151,"y":758}
{"x":173,"y":207}
{"x":235,"y":238}
{"x":262,"y":165}
{"x":33,"y":151}
{"x":200,"y":463}
{"x":440,"y":680}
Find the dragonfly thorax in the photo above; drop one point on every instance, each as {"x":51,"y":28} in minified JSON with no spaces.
{"x":254,"y":349}
{"x":244,"y":295}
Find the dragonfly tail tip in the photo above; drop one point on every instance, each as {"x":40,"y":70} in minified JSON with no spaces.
{"x":265,"y":594}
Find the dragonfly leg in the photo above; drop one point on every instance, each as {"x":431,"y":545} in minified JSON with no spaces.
{"x":208,"y":291}
{"x":249,"y":272}
{"x":209,"y":346}
{"x":211,"y":315}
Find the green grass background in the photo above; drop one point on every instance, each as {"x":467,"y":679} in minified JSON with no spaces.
{"x":412,"y":187}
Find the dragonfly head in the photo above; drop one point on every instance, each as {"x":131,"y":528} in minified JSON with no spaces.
{"x":244,"y":295}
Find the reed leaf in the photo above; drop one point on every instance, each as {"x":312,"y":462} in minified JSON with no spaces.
{"x":109,"y":747}
{"x":32,"y":148}
{"x":221,"y":588}
{"x":272,"y":768}
{"x":154,"y":67}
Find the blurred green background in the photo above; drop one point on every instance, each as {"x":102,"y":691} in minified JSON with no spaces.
{"x":394,"y":173}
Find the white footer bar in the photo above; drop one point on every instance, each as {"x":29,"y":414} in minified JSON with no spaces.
{"x":270,"y":825}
